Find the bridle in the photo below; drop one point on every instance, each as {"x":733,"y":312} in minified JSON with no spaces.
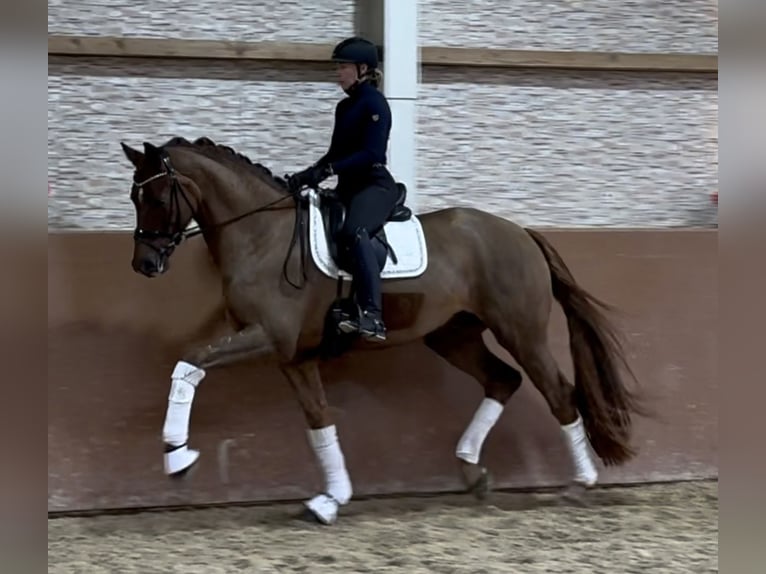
{"x":175,"y":234}
{"x":146,"y":236}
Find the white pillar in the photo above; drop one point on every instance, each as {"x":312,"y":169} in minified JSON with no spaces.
{"x":401,"y":64}
{"x":393,"y":24}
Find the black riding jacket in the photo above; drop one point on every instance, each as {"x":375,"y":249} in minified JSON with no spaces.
{"x":360,"y":137}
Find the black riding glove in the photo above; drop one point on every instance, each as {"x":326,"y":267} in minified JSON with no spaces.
{"x":309,"y":177}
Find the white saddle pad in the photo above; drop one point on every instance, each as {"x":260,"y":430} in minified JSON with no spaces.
{"x":405,"y":237}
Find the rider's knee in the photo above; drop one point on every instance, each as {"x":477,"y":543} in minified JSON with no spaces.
{"x":352,"y":235}
{"x":360,"y":233}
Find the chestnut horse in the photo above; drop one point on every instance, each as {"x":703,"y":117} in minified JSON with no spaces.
{"x":484,"y":272}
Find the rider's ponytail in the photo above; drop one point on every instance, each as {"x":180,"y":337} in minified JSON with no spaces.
{"x":375,"y":77}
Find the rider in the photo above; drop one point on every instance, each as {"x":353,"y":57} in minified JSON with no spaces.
{"x":357,"y":155}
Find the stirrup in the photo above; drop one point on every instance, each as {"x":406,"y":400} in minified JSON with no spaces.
{"x":348,"y":321}
{"x":349,"y":324}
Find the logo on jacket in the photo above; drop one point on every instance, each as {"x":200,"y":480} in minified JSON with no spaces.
{"x":375,"y":117}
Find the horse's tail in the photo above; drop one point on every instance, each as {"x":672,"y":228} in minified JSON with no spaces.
{"x":601,"y":396}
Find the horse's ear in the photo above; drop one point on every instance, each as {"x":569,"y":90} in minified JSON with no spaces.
{"x":151,"y":150}
{"x":134,"y":156}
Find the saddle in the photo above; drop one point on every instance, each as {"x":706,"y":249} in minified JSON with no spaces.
{"x":333,"y":216}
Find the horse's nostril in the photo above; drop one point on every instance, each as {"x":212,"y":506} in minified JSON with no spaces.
{"x":148,"y":267}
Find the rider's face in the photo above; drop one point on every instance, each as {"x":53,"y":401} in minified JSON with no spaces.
{"x":346,"y":74}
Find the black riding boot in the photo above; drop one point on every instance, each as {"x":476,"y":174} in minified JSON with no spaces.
{"x":366,"y":273}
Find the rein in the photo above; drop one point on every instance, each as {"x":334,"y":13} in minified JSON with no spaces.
{"x":176,"y":237}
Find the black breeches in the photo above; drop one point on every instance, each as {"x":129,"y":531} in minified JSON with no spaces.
{"x":366,"y":213}
{"x":368,"y":209}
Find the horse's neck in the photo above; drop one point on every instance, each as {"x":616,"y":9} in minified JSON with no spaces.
{"x":228,"y":194}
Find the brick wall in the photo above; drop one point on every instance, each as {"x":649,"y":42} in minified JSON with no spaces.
{"x":598,"y":25}
{"x":567,"y":149}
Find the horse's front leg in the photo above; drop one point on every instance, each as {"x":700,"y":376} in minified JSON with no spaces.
{"x":252,"y":342}
{"x":323,"y":438}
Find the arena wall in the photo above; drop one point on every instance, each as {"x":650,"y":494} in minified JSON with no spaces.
{"x":113,"y":338}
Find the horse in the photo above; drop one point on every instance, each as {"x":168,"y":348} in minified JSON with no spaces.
{"x":484,"y":272}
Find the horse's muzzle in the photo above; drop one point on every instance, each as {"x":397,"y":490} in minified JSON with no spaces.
{"x":150,"y":266}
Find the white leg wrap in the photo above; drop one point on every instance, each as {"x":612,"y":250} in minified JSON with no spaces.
{"x":325,"y":443}
{"x":577,"y":443}
{"x":485,"y":417}
{"x":184,"y":383}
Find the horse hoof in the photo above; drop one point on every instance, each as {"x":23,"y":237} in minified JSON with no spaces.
{"x":587,"y":481}
{"x":324,"y":509}
{"x":183,"y":474}
{"x":482,"y":486}
{"x":180,"y":461}
{"x":477,"y":480}
{"x":575,"y":493}
{"x":306,"y":515}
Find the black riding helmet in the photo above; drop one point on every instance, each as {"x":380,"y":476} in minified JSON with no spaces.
{"x":357,"y":51}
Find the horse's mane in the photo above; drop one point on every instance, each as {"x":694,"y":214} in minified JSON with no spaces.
{"x":210,"y":148}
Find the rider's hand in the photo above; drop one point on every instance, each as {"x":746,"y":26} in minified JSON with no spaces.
{"x":310,"y":177}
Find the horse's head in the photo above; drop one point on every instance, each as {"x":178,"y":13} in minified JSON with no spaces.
{"x":165,"y":202}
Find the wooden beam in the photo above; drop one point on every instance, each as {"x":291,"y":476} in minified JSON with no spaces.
{"x":429,"y":55}
{"x":172,"y":48}
{"x":475,"y":57}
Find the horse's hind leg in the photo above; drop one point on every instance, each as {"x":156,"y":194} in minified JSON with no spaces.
{"x":534,"y":356}
{"x":460,"y":343}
